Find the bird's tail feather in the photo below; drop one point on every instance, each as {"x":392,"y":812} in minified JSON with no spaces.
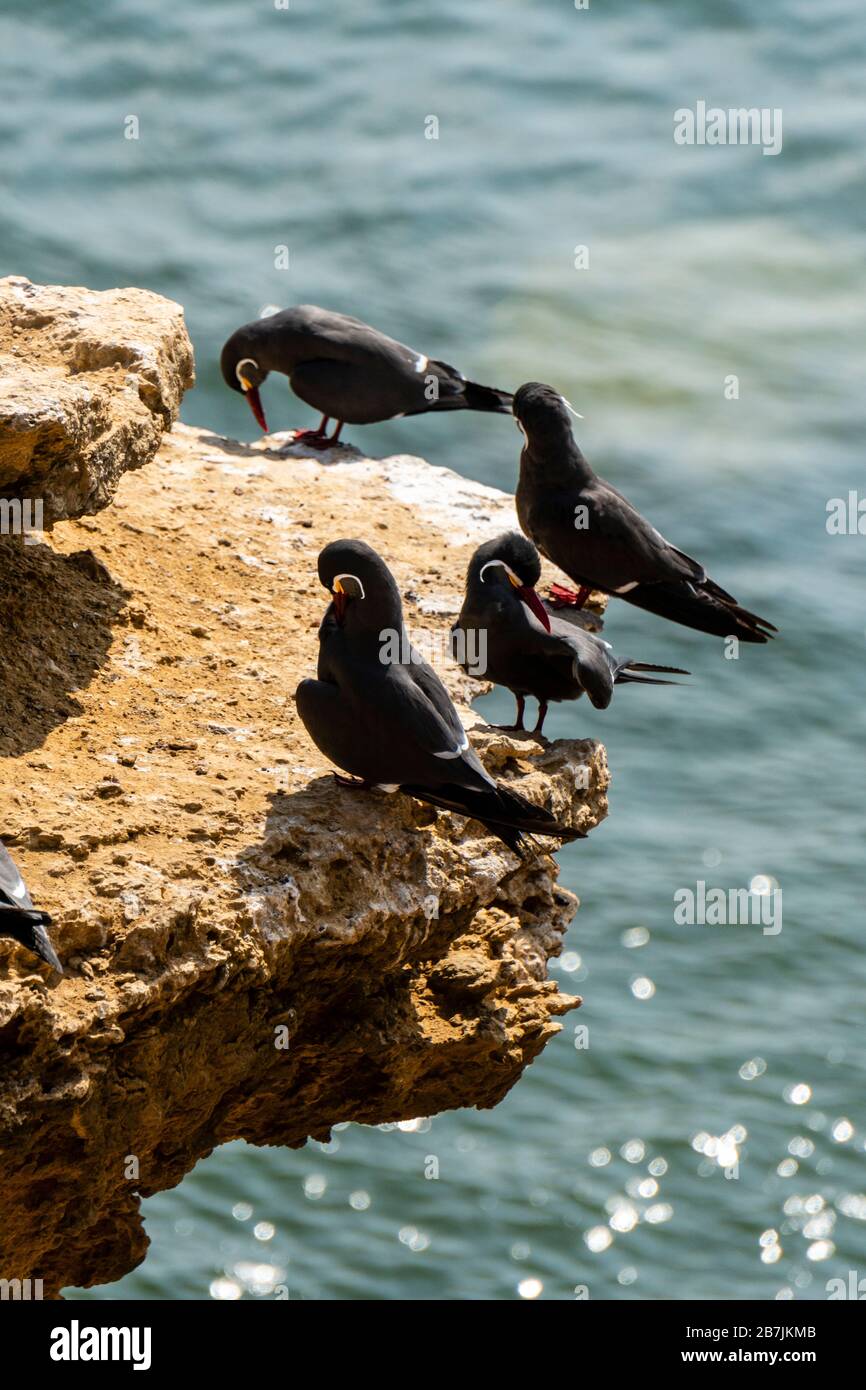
{"x":503,"y":812}
{"x":28,"y":927}
{"x":42,"y":946}
{"x":459,"y":394}
{"x":487,"y":398}
{"x":702,"y":609}
{"x":628,"y":671}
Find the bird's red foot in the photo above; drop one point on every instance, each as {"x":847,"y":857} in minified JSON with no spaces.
{"x":561,"y":597}
{"x":313,"y":439}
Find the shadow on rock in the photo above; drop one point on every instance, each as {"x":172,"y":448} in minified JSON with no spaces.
{"x":56,"y":618}
{"x":280,"y":444}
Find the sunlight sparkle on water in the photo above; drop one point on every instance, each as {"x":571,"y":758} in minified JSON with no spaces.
{"x":228,"y":1290}
{"x":801,"y":1147}
{"x":821,"y":1250}
{"x":625,"y":1214}
{"x":821,"y":1225}
{"x":258,"y":1278}
{"x":530,"y":1288}
{"x":413,"y":1238}
{"x":771,"y":1250}
{"x":752,"y":1069}
{"x":724,"y":1149}
{"x":658,"y":1213}
{"x":598,"y":1239}
{"x":798,"y":1095}
{"x":763,"y":885}
{"x":635,"y":937}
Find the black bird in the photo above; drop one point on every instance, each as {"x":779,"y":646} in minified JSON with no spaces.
{"x":505,"y":634}
{"x":381,"y":713}
{"x":587,"y":528}
{"x":347,"y":370}
{"x":18,"y":916}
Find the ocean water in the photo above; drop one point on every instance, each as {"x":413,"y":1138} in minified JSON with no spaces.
{"x":711,"y":1139}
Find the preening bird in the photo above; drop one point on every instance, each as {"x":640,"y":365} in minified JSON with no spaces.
{"x":379,"y":712}
{"x":19,"y":918}
{"x":349,"y":371}
{"x":589,"y":530}
{"x":505,"y":634}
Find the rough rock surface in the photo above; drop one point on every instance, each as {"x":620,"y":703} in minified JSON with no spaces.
{"x":251,"y":951}
{"x":88,"y":383}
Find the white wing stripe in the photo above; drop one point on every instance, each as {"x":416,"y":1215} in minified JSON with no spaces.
{"x":457,"y":751}
{"x":18,"y":889}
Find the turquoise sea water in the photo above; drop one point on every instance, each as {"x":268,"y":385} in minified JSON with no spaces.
{"x":261,"y":127}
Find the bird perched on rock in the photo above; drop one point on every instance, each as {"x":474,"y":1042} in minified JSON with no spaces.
{"x":18,"y":916}
{"x":505,"y":634}
{"x":589,"y":530}
{"x":382,"y":714}
{"x":347,"y":370}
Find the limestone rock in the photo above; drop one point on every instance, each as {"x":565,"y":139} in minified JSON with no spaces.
{"x":89,"y":381}
{"x":251,"y":950}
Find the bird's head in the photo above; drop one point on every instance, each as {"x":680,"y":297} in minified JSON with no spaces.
{"x":509,"y":565}
{"x":241,"y":371}
{"x":363,"y":591}
{"x":541,"y":413}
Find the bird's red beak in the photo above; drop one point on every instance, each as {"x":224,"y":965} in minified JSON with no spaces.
{"x":255,"y":403}
{"x":339,"y":601}
{"x":527,"y":595}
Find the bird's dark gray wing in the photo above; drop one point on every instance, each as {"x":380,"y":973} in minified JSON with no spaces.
{"x":594,"y":666}
{"x":427,"y":710}
{"x":431,"y":686}
{"x":596,"y":536}
{"x":624,"y":547}
{"x":12,"y":887}
{"x":343,"y":338}
{"x":379,"y":723}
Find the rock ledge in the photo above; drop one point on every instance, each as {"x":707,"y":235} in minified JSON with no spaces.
{"x":251,"y":951}
{"x":88,"y":383}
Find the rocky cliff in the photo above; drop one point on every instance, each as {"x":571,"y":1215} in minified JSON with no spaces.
{"x":250,"y":950}
{"x":88,"y":383}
